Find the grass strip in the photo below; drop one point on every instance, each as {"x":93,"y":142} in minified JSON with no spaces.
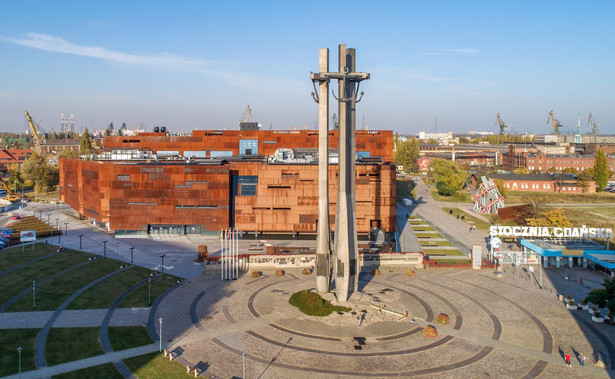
{"x":71,"y":344}
{"x":126,"y":337}
{"x":54,"y":292}
{"x":469,"y":219}
{"x":139,"y":297}
{"x":442,"y":252}
{"x":106,"y":371}
{"x":20,"y":279}
{"x":10,"y":340}
{"x":435,"y":243}
{"x":103,"y":294}
{"x":14,"y":256}
{"x":155,"y":366}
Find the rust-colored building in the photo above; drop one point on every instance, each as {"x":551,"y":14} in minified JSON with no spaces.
{"x":204,"y":195}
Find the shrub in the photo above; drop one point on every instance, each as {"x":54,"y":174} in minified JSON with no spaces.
{"x":571,"y":302}
{"x":443,"y":319}
{"x":279,"y":273}
{"x":410,"y":272}
{"x":582,"y":302}
{"x":376,"y":272}
{"x":597,"y":314}
{"x":256,"y":274}
{"x":306,"y":271}
{"x":430,"y":331}
{"x":444,"y":189}
{"x":312,"y":304}
{"x":569,"y":296}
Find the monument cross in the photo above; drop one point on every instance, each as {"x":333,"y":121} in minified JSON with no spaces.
{"x":343,"y":260}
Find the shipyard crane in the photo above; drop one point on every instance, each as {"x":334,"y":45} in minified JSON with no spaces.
{"x":247,"y":115}
{"x":499,"y":122}
{"x":35,"y":129}
{"x":556,"y":124}
{"x":594,"y":124}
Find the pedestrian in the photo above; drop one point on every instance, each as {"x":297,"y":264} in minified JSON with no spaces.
{"x":470,"y":229}
{"x":582,"y":359}
{"x":360,"y":320}
{"x":567,"y":359}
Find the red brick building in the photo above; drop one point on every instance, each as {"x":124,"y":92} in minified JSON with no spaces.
{"x":544,"y":183}
{"x":250,"y":192}
{"x":12,"y":158}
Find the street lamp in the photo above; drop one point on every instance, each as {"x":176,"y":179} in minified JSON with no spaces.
{"x":34,"y":294}
{"x":160,"y":343}
{"x":19,"y":349}
{"x":149,"y":296}
{"x":162,"y":257}
{"x":104,"y":249}
{"x":243,"y":358}
{"x":66,"y":228}
{"x":80,"y":236}
{"x":49,"y":223}
{"x":58,"y":228}
{"x":131,"y":256}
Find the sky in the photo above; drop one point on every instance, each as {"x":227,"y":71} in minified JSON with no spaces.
{"x":441,"y":65}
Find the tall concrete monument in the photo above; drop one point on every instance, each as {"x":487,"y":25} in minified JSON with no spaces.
{"x":342,"y":261}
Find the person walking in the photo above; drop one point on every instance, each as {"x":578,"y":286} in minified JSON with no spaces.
{"x":567,"y":359}
{"x":582,"y":359}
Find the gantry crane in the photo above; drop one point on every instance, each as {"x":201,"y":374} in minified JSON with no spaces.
{"x":499,"y":122}
{"x":556,"y":124}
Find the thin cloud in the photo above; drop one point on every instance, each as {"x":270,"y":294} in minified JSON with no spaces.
{"x":461,"y":51}
{"x":99,"y":23}
{"x":59,"y":45}
{"x":430,"y":78}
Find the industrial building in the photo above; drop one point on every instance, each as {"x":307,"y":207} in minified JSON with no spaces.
{"x":252,"y":180}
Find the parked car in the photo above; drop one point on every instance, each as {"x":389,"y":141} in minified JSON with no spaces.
{"x":15,"y":217}
{"x":3,"y":230}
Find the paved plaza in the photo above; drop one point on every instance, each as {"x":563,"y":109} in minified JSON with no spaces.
{"x":498,"y":326}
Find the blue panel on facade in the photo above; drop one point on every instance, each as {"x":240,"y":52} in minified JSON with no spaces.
{"x":220,"y":153}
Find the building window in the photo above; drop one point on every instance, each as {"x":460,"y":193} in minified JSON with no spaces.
{"x":248,"y":147}
{"x":245,"y":185}
{"x":218,"y":154}
{"x":123,"y":178}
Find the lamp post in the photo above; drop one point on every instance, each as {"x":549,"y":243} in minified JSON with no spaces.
{"x":34,"y":294}
{"x":19,"y":349}
{"x":104,"y":249}
{"x":58,"y":228}
{"x":149,"y":290}
{"x":66,"y":228}
{"x":243,"y":358}
{"x":49,"y":223}
{"x":162,"y":257}
{"x":80,"y":236}
{"x":131,"y":254}
{"x":40,"y":214}
{"x":160,"y":343}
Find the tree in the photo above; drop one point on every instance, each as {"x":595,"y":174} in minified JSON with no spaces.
{"x":15,"y":180}
{"x":521,"y":171}
{"x":407,"y":153}
{"x":86,"y":143}
{"x":464,"y":140}
{"x":551,"y":218}
{"x":501,"y":187}
{"x":536,"y":205}
{"x":40,"y":172}
{"x":604,"y":297}
{"x":601,"y":171}
{"x":68,"y":153}
{"x":450,"y":173}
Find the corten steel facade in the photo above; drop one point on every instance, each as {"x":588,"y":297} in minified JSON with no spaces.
{"x":376,"y":142}
{"x":181,"y":197}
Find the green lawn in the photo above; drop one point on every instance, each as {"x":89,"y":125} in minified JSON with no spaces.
{"x":126,"y":337}
{"x":138,"y":298}
{"x":10,"y":340}
{"x":106,"y":371}
{"x":427,"y":235}
{"x":452,"y":261}
{"x":422,"y":229}
{"x":103,"y":294}
{"x":155,"y":366}
{"x":313,"y":304}
{"x":21,"y":279}
{"x":462,"y":196}
{"x":442,"y":252}
{"x":71,"y":344}
{"x":14,"y":256}
{"x":435,"y":243}
{"x":50,"y":295}
{"x":469,"y":219}
{"x":519,"y":197}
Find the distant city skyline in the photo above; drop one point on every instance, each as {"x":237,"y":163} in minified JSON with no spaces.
{"x":196,"y":65}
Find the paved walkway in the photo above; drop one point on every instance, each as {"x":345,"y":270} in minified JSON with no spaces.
{"x":455,"y":231}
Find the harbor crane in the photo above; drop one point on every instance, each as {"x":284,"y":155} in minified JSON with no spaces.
{"x":499,"y":122}
{"x":594,"y":124}
{"x":35,"y":129}
{"x":10,"y":196}
{"x":556,"y":124}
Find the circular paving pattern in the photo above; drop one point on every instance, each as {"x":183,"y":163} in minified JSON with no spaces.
{"x":496,"y":327}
